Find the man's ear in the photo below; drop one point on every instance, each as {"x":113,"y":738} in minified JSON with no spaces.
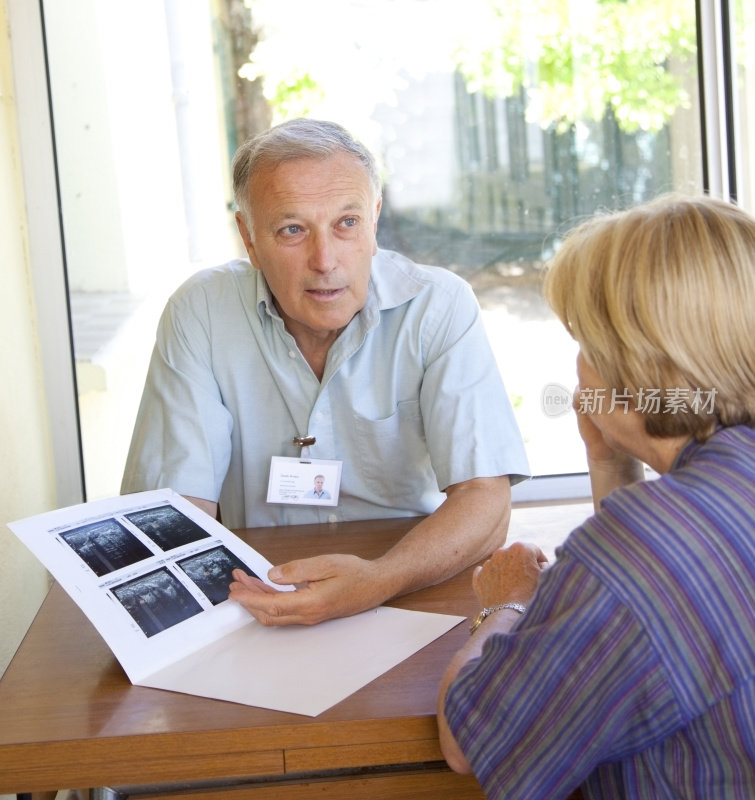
{"x":246,"y":237}
{"x":378,"y":206}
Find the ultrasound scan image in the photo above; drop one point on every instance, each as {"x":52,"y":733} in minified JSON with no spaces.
{"x":211,"y":571}
{"x":167,"y":527}
{"x":106,"y":546}
{"x":157,"y":601}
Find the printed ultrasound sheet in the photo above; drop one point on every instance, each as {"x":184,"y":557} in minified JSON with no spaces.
{"x":152,"y":572}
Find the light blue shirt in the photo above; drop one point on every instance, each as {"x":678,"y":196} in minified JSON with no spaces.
{"x":323,"y":495}
{"x":411,"y":400}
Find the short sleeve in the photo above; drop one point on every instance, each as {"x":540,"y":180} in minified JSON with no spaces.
{"x":182,"y":435}
{"x":469,"y":422}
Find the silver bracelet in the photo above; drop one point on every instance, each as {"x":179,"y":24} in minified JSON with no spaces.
{"x":486,"y":612}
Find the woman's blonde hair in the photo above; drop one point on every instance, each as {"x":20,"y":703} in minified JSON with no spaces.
{"x":662,"y":297}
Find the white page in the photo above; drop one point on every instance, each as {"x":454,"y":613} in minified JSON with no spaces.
{"x":151,"y":572}
{"x":106,"y":579}
{"x":304,"y":670}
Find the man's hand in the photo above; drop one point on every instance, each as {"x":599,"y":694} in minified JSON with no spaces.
{"x":466,"y":528}
{"x":326,"y":587}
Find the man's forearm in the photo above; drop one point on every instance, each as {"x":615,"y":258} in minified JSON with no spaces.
{"x":465,"y":529}
{"x":208,"y":506}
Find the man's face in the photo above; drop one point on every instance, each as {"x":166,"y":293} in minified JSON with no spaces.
{"x":313,"y":237}
{"x":318,"y":483}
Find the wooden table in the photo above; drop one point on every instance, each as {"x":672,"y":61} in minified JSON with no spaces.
{"x":71,"y":718}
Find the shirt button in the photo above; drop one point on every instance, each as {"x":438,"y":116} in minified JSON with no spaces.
{"x":332,"y":518}
{"x":291,"y":354}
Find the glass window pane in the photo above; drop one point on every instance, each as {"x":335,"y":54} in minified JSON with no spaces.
{"x":498,"y":124}
{"x":499,"y":128}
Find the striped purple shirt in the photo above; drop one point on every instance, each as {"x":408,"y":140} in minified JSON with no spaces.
{"x":633,"y":671}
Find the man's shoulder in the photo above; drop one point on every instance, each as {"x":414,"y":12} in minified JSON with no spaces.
{"x":398,"y":279}
{"x":216,"y":278}
{"x":389,"y":263}
{"x":225,"y":285}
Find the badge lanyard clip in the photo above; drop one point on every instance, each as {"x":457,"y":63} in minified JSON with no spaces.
{"x":304,"y":442}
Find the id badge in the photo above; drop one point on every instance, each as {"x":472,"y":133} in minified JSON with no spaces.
{"x":304,"y":481}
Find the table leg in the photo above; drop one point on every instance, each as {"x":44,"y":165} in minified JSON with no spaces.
{"x":104,"y":793}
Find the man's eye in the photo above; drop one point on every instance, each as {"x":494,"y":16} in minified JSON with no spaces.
{"x":349,"y":222}
{"x":290,"y":230}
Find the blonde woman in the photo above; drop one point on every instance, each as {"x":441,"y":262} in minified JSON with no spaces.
{"x":628,"y":667}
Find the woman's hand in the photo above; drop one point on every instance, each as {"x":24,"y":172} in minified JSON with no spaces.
{"x":609,"y":467}
{"x":510,"y":575}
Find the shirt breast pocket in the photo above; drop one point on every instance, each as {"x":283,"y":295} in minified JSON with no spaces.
{"x":393,"y":460}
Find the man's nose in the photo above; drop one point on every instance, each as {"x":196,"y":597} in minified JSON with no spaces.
{"x":321,"y":251}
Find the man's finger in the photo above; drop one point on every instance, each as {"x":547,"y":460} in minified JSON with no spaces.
{"x":250,"y":582}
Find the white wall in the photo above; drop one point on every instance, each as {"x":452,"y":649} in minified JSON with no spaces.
{"x":115,"y":130}
{"x":142,"y":164}
{"x":26,"y":467}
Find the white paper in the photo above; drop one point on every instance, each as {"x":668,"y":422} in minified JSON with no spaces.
{"x":305,"y":670}
{"x":151,"y":571}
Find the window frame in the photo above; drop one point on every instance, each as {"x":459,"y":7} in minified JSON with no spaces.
{"x":46,"y":246}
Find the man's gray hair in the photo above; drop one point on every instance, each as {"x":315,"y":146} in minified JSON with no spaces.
{"x":296,"y":138}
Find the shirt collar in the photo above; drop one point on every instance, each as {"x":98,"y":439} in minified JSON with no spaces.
{"x":690,"y":448}
{"x":265,"y":303}
{"x":394,"y":280}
